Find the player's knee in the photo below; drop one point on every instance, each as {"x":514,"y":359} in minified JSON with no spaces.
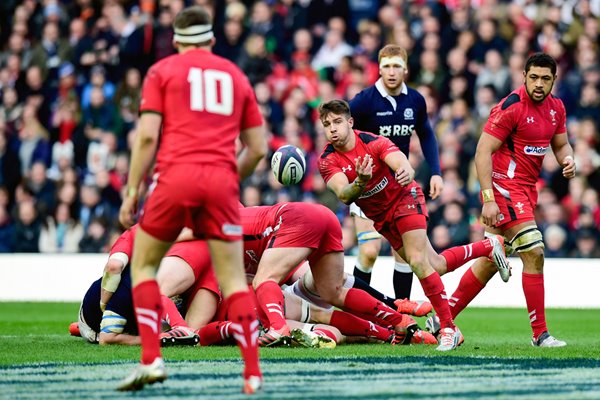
{"x":333,"y":295}
{"x":369,"y":252}
{"x":418,"y":262}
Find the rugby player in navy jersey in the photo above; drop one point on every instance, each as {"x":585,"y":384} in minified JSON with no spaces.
{"x":393,"y":110}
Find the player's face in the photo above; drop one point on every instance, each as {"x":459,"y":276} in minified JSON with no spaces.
{"x":392,"y":71}
{"x":539,"y":82}
{"x":337,"y":129}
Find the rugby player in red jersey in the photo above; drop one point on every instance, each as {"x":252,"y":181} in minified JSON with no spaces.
{"x":372,"y":172}
{"x":518,"y":134}
{"x":203,"y":103}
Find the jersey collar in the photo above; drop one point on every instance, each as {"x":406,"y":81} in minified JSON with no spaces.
{"x":381,"y":89}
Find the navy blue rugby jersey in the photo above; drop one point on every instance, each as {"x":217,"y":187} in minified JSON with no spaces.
{"x":396,"y":117}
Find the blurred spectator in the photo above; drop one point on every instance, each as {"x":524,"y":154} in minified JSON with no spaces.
{"x":586,"y":244}
{"x":555,"y":239}
{"x":10,"y":170}
{"x":128,"y":97}
{"x":92,"y":206}
{"x":43,"y":189}
{"x":51,"y":51}
{"x":229,"y":45}
{"x":95,"y":239}
{"x":27,"y":228}
{"x":332,"y":51}
{"x":254,"y":59}
{"x":33,"y":141}
{"x":458,"y":225}
{"x":60,"y":232}
{"x":97,"y":80}
{"x":7,"y":231}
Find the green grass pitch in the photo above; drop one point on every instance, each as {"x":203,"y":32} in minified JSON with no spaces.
{"x":38,"y":359}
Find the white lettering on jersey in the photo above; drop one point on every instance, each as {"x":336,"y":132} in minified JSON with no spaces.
{"x":378,"y":188}
{"x":535,"y":150}
{"x":384,"y":113}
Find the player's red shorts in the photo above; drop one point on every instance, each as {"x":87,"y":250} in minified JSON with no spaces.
{"x":307,"y":225}
{"x":202,"y":197}
{"x":517,"y":202}
{"x":410,"y":213}
{"x":197,"y":255}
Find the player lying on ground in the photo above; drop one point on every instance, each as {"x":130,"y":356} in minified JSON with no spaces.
{"x":278,"y":238}
{"x":305,"y":288}
{"x":111,"y":317}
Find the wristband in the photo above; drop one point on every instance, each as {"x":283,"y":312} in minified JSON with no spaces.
{"x":360,"y":185}
{"x":568,"y":157}
{"x":131,"y":191}
{"x":487,"y":195}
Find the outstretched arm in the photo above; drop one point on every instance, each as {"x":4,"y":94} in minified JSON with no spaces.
{"x":348,"y":192}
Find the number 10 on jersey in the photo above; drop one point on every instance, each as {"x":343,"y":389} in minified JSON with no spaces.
{"x":211,"y":91}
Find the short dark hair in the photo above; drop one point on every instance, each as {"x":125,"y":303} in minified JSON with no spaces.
{"x":541,"y":60}
{"x":337,"y":107}
{"x":190,"y":16}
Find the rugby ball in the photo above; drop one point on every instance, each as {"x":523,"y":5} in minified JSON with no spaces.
{"x":288,"y":165}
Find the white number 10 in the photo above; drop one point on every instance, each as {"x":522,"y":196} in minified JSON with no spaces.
{"x":204,"y":87}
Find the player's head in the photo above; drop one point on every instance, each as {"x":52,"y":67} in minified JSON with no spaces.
{"x":539,"y":74}
{"x":193,"y":27}
{"x":336,"y":119}
{"x":393,"y":66}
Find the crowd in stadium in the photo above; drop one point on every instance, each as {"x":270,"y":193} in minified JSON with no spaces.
{"x":71,"y":73}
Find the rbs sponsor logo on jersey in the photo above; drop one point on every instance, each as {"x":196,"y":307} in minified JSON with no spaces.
{"x":396,"y":130}
{"x":535,"y":150}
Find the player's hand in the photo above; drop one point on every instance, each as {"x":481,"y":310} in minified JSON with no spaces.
{"x":404,"y":176}
{"x":364,"y":168}
{"x":569,"y":167}
{"x":128,"y":210}
{"x":436,"y":185}
{"x":490,"y":213}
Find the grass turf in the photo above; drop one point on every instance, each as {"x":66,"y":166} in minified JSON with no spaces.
{"x":38,"y":333}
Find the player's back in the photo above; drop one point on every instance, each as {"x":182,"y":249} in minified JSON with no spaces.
{"x":205,"y":101}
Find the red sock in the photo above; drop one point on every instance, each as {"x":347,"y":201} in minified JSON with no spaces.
{"x":459,"y":255}
{"x":352,"y":325}
{"x":271,"y":301}
{"x":435,"y":292}
{"x":148,"y":312}
{"x":322,"y":331}
{"x":214,"y":333}
{"x":359,"y":301}
{"x":172,"y":314}
{"x":244,"y":328}
{"x":533,"y":288}
{"x":468,"y":287}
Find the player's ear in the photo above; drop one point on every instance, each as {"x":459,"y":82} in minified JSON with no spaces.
{"x":351,"y":121}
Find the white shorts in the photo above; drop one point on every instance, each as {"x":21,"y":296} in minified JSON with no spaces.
{"x":356,"y":211}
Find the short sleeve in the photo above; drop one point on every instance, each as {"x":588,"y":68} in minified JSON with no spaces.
{"x":124,"y":243}
{"x":328,"y":167}
{"x":381,"y":147}
{"x":561,"y":120}
{"x":152,"y":92}
{"x":501,"y":122}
